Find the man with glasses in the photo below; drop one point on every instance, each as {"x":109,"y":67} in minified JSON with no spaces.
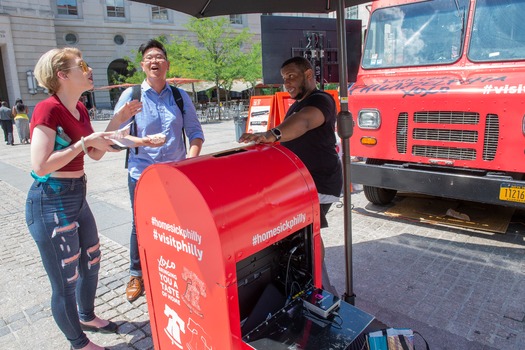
{"x":159,"y":116}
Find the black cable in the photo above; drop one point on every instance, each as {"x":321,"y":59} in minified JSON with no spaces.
{"x":308,"y":313}
{"x":288,"y":270}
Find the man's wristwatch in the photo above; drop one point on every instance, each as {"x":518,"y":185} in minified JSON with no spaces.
{"x":276,"y":133}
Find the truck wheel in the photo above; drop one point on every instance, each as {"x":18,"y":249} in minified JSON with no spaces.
{"x":377,"y":195}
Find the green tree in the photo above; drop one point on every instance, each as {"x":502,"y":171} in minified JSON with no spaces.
{"x":252,"y":68}
{"x":213,"y":51}
{"x":219,"y":52}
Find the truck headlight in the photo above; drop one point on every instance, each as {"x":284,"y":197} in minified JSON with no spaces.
{"x":369,"y":119}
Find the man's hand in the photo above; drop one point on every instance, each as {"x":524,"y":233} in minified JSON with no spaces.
{"x":128,"y":110}
{"x":258,"y":137}
{"x":156,"y":140}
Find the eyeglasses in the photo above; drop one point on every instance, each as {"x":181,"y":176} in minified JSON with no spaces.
{"x":158,"y":58}
{"x":83,"y":65}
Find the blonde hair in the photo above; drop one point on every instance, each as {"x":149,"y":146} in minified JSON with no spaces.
{"x":51,"y":63}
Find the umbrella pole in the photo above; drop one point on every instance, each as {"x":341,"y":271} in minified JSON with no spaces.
{"x":344,"y":130}
{"x":195,"y":100}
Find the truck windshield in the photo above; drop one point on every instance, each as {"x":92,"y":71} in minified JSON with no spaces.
{"x":498,"y":32}
{"x":422,"y":33}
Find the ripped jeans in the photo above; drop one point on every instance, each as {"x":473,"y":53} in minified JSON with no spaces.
{"x":64,"y":229}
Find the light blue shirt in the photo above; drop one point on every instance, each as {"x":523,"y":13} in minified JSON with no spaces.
{"x":160,"y":114}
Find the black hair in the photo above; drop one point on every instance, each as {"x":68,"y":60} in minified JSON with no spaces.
{"x":300,"y":62}
{"x":151,"y":44}
{"x":20,"y":107}
{"x":18,"y":100}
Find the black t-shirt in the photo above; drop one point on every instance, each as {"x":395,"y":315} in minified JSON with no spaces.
{"x":316,"y":148}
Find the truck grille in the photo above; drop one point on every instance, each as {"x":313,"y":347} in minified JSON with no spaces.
{"x":442,"y":118}
{"x":447,"y":117}
{"x":444,"y":152}
{"x":467,"y":136}
{"x":490,"y":143}
{"x":401,"y":133}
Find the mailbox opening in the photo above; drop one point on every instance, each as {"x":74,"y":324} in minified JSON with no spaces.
{"x":272,"y":276}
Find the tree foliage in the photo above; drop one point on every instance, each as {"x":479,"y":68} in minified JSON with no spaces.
{"x":220,"y":50}
{"x":212,"y":50}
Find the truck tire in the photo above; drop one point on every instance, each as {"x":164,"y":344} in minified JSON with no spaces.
{"x":378,"y":195}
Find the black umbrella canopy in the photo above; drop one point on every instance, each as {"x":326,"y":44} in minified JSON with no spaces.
{"x":210,"y":8}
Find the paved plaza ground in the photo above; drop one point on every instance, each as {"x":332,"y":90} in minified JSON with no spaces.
{"x":461,"y":289}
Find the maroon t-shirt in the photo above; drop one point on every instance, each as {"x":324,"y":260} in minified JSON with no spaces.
{"x":52,"y":113}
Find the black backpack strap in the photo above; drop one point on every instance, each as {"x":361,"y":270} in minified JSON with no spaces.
{"x":178,"y":98}
{"x":426,"y":343}
{"x":136,"y":94}
{"x":180,"y":103}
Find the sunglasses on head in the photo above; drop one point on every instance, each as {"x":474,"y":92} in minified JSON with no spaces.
{"x":83,"y":65}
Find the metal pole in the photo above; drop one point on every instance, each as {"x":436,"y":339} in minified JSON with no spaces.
{"x":344,"y":130}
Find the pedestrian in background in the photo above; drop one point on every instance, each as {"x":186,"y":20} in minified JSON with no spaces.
{"x":160,"y":115}
{"x":23,"y":108}
{"x":57,"y":213}
{"x":22,"y":122}
{"x":6,"y":118}
{"x":308,"y":130}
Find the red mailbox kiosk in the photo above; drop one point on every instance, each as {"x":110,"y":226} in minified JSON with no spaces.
{"x":226,"y":242}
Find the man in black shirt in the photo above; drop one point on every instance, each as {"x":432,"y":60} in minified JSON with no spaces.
{"x":308,"y":130}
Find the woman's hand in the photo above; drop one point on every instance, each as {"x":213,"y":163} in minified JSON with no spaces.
{"x":100,"y":141}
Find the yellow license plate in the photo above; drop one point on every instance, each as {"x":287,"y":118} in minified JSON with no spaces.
{"x":512,"y":193}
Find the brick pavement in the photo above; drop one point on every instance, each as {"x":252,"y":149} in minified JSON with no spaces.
{"x":26,"y":321}
{"x":461,"y":289}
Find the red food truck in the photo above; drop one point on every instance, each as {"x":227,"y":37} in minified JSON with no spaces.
{"x":439,"y":101}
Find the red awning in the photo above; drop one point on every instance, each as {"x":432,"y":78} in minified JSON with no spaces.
{"x":175,"y":81}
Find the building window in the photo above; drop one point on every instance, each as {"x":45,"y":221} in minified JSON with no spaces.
{"x":67,"y":7}
{"x":115,"y":9}
{"x":352,"y":12}
{"x":118,"y":39}
{"x":159,"y":13}
{"x":71,"y":38}
{"x":237,"y":19}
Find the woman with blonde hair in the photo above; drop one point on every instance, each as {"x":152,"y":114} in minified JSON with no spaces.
{"x":57,"y":213}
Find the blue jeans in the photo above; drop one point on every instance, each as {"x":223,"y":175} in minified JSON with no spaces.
{"x":134,"y":258}
{"x":64,"y":229}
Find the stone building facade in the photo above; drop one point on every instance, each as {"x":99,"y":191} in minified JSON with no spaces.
{"x":103,"y":30}
{"x":106,"y":31}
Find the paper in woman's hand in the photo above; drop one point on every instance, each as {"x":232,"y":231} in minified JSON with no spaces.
{"x":119,"y":140}
{"x":122,"y":132}
{"x":122,"y":143}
